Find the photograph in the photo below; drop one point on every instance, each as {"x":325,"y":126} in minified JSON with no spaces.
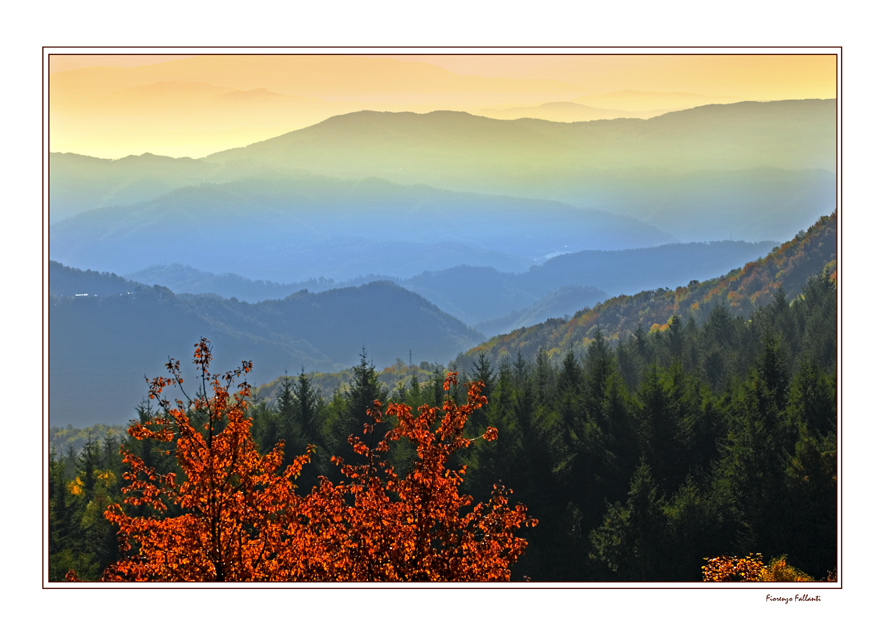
{"x":443,"y":317}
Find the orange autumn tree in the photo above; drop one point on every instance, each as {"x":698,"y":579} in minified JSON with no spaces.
{"x":233,"y":514}
{"x":411,"y":528}
{"x":217,"y":520}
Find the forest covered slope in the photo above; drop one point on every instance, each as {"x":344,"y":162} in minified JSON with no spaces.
{"x":714,"y":433}
{"x":786,"y":267}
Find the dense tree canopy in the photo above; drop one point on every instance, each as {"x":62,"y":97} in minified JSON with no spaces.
{"x":231,"y":513}
{"x":640,"y":457}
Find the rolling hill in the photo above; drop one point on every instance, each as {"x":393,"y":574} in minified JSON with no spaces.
{"x":787,"y":267}
{"x":759,"y":168}
{"x":481,"y":295}
{"x":102,"y":347}
{"x":291,"y":229}
{"x":495,"y":302}
{"x":669,"y":171}
{"x":102,"y":344}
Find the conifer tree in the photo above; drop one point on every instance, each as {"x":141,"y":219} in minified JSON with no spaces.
{"x":632,"y":539}
{"x":349,"y":416}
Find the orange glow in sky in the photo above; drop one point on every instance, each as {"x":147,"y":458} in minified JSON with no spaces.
{"x":193,"y":105}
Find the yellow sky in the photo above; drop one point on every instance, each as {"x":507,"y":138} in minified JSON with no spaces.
{"x":62,"y":62}
{"x":752,"y":76}
{"x":178,"y":105}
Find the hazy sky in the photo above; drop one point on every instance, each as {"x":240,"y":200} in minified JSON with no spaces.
{"x":751,"y":76}
{"x":68,"y":62}
{"x":178,"y":105}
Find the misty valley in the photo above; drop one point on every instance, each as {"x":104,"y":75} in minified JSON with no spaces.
{"x":640,"y":316}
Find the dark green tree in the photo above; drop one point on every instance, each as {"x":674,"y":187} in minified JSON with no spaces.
{"x":632,"y":539}
{"x":349,"y":411}
{"x":481,"y":371}
{"x":661,"y":431}
{"x":750,"y":477}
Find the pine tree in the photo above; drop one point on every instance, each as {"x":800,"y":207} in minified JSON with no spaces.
{"x":350,"y":410}
{"x":632,"y":539}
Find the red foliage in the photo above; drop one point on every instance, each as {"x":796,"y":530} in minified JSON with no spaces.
{"x":238,"y":518}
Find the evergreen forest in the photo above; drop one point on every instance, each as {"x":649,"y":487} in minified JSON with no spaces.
{"x":641,"y":452}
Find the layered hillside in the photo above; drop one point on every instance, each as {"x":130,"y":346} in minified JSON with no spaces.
{"x":749,"y":170}
{"x":497,"y":302}
{"x":101,"y":347}
{"x":298,"y":228}
{"x":786,"y":268}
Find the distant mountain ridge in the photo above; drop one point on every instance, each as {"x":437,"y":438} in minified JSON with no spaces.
{"x":286,"y":229}
{"x":494,"y":301}
{"x":566,"y":112}
{"x":563,"y":301}
{"x":185,"y":279}
{"x":107,"y":344}
{"x":762,"y":166}
{"x":478,"y":295}
{"x":451,"y":144}
{"x":460,"y":206}
{"x":787,"y":267}
{"x":630,"y":104}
